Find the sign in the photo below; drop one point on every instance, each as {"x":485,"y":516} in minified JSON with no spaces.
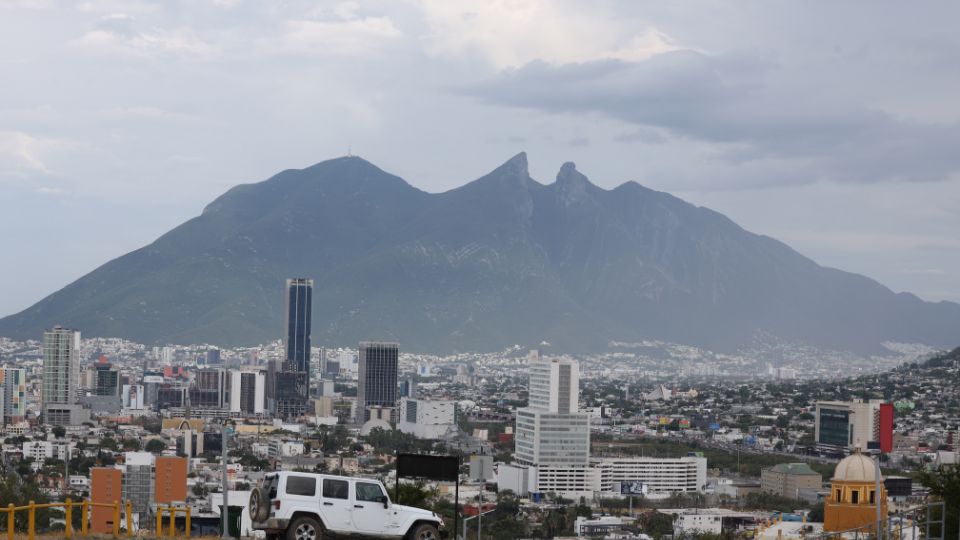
{"x":633,"y":488}
{"x":714,"y":426}
{"x":429,"y":467}
{"x":664,"y":420}
{"x":481,"y":468}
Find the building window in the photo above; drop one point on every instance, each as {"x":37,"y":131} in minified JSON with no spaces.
{"x":855,"y":496}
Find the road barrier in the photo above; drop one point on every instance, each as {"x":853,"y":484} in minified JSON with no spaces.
{"x":68,"y":506}
{"x":172,"y":512}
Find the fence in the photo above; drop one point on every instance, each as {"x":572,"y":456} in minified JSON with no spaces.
{"x":68,"y":506}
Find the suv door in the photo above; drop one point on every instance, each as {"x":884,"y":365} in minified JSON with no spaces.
{"x":299,"y":493}
{"x":335,"y":506}
{"x":369,"y":515}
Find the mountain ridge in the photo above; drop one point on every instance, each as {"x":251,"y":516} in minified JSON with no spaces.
{"x":502,"y":259}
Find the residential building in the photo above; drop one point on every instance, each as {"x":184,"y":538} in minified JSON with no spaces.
{"x":105,"y":488}
{"x":13,"y":395}
{"x":138,"y":480}
{"x":377,"y":381}
{"x":60,"y":389}
{"x":170,"y":481}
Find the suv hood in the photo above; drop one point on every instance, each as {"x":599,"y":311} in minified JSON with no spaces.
{"x":415,"y":510}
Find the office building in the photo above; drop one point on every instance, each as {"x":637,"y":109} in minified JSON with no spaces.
{"x":103,"y":379}
{"x":791,"y":480}
{"x":247,"y":391}
{"x":377,"y":377}
{"x":210,"y":389}
{"x":647,"y":475}
{"x":427,"y":419}
{"x":60,"y":389}
{"x":105,"y":488}
{"x":293,"y":382}
{"x":13,"y":395}
{"x":213,"y":357}
{"x":138,"y":480}
{"x":846,"y":426}
{"x":552,"y":435}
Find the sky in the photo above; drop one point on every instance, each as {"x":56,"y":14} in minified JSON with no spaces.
{"x":832,"y":126}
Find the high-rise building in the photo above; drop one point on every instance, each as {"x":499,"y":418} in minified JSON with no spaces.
{"x":247,"y":393}
{"x":60,"y":389}
{"x":138,"y":480}
{"x":552,"y":436}
{"x":13,"y":395}
{"x":377,"y":381}
{"x":293,"y":382}
{"x":211,"y":389}
{"x":848,"y":425}
{"x":104,"y":379}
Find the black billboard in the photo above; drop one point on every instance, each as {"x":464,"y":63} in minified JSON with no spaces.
{"x":429,"y":467}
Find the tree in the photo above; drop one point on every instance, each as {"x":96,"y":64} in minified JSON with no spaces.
{"x":59,"y":432}
{"x":944,"y":484}
{"x":156,"y":446}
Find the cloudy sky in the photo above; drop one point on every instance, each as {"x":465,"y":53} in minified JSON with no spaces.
{"x":830,"y":126}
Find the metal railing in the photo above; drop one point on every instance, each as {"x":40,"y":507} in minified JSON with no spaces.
{"x":926,"y":522}
{"x":68,"y":506}
{"x":172,"y":512}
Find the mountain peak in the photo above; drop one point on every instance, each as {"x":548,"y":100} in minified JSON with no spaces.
{"x":571,"y":183}
{"x":516,"y":167}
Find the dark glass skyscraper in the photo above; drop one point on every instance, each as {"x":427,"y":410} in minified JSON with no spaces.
{"x":377,"y":377}
{"x":293,"y":383}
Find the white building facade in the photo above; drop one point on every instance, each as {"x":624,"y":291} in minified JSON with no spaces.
{"x":427,"y":419}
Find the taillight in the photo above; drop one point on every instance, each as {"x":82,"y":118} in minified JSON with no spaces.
{"x":276,"y":504}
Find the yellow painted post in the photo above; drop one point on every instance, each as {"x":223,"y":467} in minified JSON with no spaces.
{"x":159,"y":522}
{"x":173,"y":522}
{"x":84,"y":509}
{"x":32,"y":520}
{"x":116,"y":518}
{"x":68,"y":510}
{"x":129,"y":513}
{"x":187,"y":528}
{"x":10,"y":521}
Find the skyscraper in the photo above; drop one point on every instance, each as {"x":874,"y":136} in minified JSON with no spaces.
{"x":377,"y":381}
{"x":293,"y":382}
{"x":61,"y":377}
{"x":552,"y":436}
{"x":13,"y":395}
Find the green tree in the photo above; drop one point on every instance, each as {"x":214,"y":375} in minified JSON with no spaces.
{"x":59,"y":432}
{"x":944,"y":484}
{"x":156,"y":446}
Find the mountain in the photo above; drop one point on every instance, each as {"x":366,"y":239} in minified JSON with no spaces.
{"x":499,"y":261}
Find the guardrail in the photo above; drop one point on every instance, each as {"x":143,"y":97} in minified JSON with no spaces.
{"x":68,"y":506}
{"x":172,"y":512}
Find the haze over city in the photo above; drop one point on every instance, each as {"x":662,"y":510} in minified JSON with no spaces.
{"x":479,"y":270}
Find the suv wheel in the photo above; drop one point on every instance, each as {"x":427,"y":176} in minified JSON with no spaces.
{"x":425,"y":531}
{"x":259,"y":505}
{"x":304,"y":528}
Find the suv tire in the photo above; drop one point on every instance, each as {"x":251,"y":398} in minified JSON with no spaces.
{"x":304,"y":528}
{"x":424,"y":531}
{"x":259,"y":505}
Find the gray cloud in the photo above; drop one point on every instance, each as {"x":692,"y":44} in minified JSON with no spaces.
{"x":739,"y":104}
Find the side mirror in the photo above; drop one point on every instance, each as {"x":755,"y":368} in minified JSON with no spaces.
{"x":385,"y":500}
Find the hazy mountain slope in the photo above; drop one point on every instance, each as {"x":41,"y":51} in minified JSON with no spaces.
{"x":501,"y":260}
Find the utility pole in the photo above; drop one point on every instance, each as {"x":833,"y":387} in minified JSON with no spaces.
{"x":224,"y":435}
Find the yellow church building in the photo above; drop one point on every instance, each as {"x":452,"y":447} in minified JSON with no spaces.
{"x":852,"y":502}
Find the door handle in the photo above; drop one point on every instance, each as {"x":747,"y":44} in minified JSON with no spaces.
{"x":358,"y":506}
{"x":328,"y":504}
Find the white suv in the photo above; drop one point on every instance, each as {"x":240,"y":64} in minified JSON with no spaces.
{"x":305,"y":506}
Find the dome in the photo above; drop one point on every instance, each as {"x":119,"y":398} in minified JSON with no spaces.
{"x":855,"y":468}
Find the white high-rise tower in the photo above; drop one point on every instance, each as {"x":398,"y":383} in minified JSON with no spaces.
{"x":552,"y":436}
{"x":61,"y":377}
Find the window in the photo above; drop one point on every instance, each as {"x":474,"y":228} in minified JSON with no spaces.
{"x":839,"y":497}
{"x":369,"y":492}
{"x":271,"y":486}
{"x":301,"y":485}
{"x":873,"y":496}
{"x":335,"y":489}
{"x":855,"y":496}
